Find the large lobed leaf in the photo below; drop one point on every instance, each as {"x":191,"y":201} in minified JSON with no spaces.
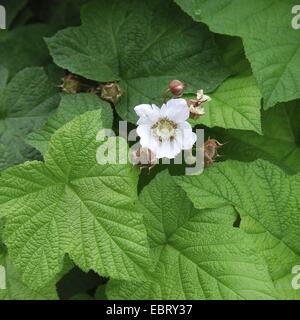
{"x":71,"y":204}
{"x":268,"y":203}
{"x":142,"y":44}
{"x":198,"y":253}
{"x":271,"y":44}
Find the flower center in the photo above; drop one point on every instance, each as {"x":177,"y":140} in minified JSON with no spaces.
{"x":164,"y":129}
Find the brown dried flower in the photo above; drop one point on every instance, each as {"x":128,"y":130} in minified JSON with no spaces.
{"x":196,"y":105}
{"x":110,"y":92}
{"x":211,"y":147}
{"x":71,"y":84}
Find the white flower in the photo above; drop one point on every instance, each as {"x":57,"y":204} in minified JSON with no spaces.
{"x":165,"y":131}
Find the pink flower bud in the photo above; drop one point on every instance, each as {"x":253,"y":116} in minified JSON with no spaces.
{"x":176,"y":87}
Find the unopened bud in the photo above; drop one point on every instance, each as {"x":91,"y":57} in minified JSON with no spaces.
{"x":71,"y":84}
{"x":211,"y":147}
{"x":176,"y":87}
{"x":110,"y":92}
{"x":144,"y":158}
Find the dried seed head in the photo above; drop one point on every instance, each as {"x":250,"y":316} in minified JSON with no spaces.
{"x":196,"y":109}
{"x":110,"y":92}
{"x":144,"y":158}
{"x":196,"y":105}
{"x":176,"y":87}
{"x":211,"y":147}
{"x":71,"y":84}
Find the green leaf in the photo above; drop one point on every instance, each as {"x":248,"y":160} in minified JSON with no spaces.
{"x":17,"y":290}
{"x":25,"y":103}
{"x":271,"y":44}
{"x":71,"y":204}
{"x":143,"y":45}
{"x":198,"y":254}
{"x":279,"y":143}
{"x":235,"y":105}
{"x":70,"y":107}
{"x":268,"y":203}
{"x":27,"y":44}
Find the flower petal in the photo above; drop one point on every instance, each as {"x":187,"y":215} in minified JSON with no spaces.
{"x":185,"y":136}
{"x":143,"y":109}
{"x":177,"y":110}
{"x":163,"y":110}
{"x":148,"y":114}
{"x":167,"y":149}
{"x":146,"y":138}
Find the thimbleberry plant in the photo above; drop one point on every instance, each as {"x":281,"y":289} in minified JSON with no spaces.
{"x":149,"y":150}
